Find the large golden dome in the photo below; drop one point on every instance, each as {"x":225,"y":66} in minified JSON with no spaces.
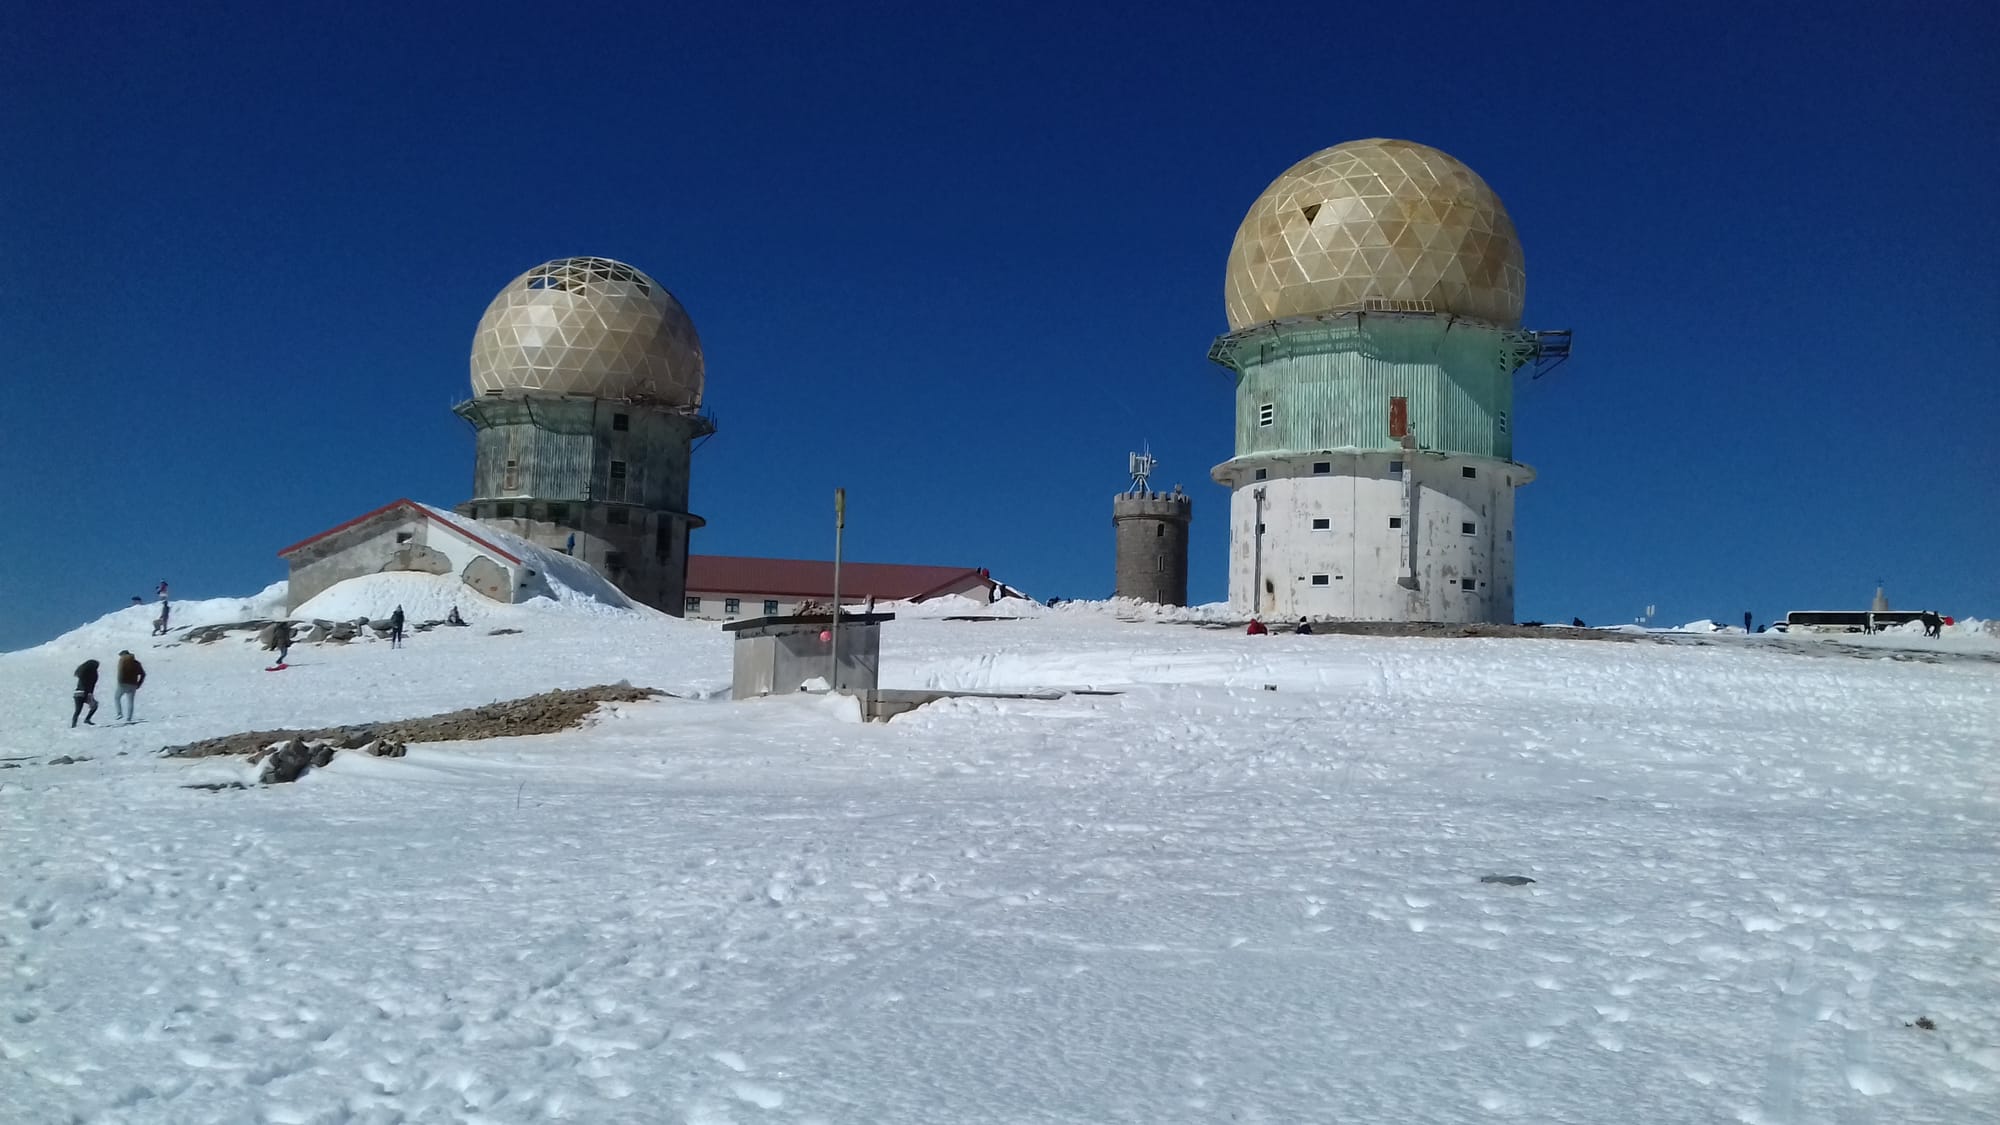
{"x":1376,"y":224}
{"x":588,"y":326}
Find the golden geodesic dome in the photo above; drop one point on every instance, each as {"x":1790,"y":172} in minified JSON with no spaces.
{"x":588,"y":326}
{"x":1376,"y":224}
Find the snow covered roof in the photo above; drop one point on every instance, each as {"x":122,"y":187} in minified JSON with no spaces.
{"x":484,"y":537}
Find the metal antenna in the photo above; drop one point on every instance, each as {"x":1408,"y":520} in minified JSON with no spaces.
{"x":1140,"y":465}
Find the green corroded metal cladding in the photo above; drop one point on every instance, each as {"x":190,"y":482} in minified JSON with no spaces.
{"x":1329,"y":381}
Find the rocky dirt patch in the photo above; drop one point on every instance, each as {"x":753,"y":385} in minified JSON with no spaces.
{"x":546,"y":713}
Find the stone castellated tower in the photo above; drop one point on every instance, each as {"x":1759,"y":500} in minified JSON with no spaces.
{"x":1152,"y":533}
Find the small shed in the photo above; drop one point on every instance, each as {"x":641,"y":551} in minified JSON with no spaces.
{"x":777,"y":655}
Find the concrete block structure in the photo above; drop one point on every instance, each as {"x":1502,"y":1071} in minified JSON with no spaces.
{"x":1374,"y":295}
{"x":587,"y":378}
{"x":1151,"y":531}
{"x":407,"y":536}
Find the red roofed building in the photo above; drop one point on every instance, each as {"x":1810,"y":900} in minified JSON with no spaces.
{"x":722,"y":587}
{"x":405,"y":535}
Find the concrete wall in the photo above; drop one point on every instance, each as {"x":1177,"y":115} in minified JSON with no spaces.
{"x":394,"y":541}
{"x":543,"y":469}
{"x":1151,"y":544}
{"x":1328,"y":548}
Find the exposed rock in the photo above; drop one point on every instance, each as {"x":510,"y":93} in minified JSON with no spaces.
{"x":1507,"y":880}
{"x":501,"y":632}
{"x":287,"y":762}
{"x":385,"y":748}
{"x":1924,"y":1023}
{"x":216,"y":786}
{"x":546,"y":713}
{"x":66,"y":760}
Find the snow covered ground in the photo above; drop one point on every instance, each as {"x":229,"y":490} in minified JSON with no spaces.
{"x":1245,"y":889}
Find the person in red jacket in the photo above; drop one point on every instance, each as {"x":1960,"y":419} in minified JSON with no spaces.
{"x":1256,"y":628}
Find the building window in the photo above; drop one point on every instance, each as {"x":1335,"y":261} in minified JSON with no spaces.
{"x":1159,"y":531}
{"x":1321,"y":468}
{"x":1467,"y":584}
{"x":1322,"y":525}
{"x":618,"y":516}
{"x":1395,"y":521}
{"x":770,"y":607}
{"x":691,"y":605}
{"x":1469,"y":473}
{"x":614,"y":560}
{"x":1260,"y":529}
{"x":617,"y":480}
{"x":558,"y":513}
{"x":503,"y":511}
{"x":1395,"y":468}
{"x":1267,"y":414}
{"x":663,"y":540}
{"x":1319,"y":580}
{"x":405,"y":536}
{"x":1261,"y":474}
{"x":732,"y":606}
{"x":1503,"y":421}
{"x":1468,"y":529}
{"x":621,"y":421}
{"x":511,"y":479}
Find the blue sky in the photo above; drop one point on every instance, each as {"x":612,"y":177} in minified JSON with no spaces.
{"x":960,"y":264}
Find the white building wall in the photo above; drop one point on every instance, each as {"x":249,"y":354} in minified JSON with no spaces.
{"x":1328,"y":548}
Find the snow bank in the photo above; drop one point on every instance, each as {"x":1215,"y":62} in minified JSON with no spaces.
{"x":566,"y":580}
{"x":121,"y":627}
{"x":424,"y":597}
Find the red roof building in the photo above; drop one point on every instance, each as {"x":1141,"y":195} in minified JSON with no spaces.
{"x":720,"y":587}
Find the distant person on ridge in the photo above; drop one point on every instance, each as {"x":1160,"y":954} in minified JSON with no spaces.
{"x":281,"y":639}
{"x":86,"y":692}
{"x":131,"y":676}
{"x":1256,"y":628}
{"x":161,"y":592}
{"x":1304,"y":628}
{"x":396,"y":628}
{"x":160,"y":622}
{"x":454,"y":619}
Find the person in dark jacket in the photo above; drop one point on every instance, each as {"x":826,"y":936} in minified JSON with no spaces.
{"x":396,"y":628}
{"x":131,"y":674}
{"x":281,"y":639}
{"x":86,"y":693}
{"x":1304,"y":628}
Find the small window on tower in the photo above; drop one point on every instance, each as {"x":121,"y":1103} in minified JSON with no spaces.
{"x":614,"y":561}
{"x":1469,"y":473}
{"x":1262,"y":473}
{"x":1468,"y":584}
{"x":1267,"y":414}
{"x":1395,"y":521}
{"x":1395,"y":468}
{"x":663,"y":540}
{"x":503,"y":511}
{"x":511,"y":479}
{"x":617,"y":480}
{"x":1319,"y":579}
{"x":621,"y":421}
{"x":1322,"y":468}
{"x":1159,"y":531}
{"x":617,"y":516}
{"x":1503,"y":421}
{"x":1322,"y":525}
{"x":1468,"y":528}
{"x":558,"y":513}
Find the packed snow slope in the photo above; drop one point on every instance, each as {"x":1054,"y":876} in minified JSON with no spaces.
{"x":1247,"y":888}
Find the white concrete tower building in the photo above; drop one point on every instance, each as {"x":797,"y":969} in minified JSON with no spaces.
{"x":1374,"y":295}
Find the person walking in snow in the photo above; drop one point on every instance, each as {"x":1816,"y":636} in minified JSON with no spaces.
{"x":86,"y":693}
{"x":281,"y":639}
{"x":396,"y":628}
{"x":1304,"y":628}
{"x":160,"y":622}
{"x":131,"y":676}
